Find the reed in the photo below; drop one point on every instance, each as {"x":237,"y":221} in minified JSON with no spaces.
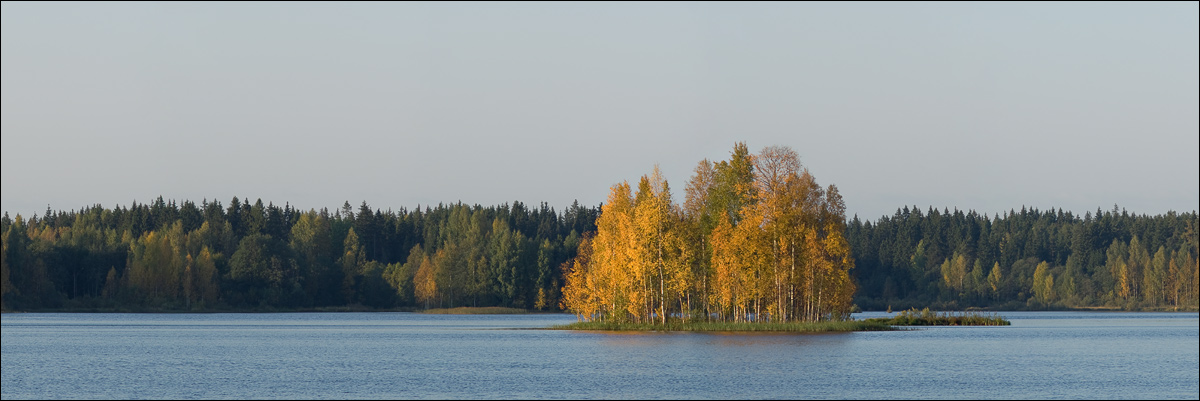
{"x":925,"y":317}
{"x":911,"y":317}
{"x":791,"y":327}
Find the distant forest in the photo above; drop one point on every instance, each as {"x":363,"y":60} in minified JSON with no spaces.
{"x":189,"y":257}
{"x":1029,"y":259}
{"x":165,"y":256}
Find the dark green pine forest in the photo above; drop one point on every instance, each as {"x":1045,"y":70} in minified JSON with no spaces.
{"x":189,"y":257}
{"x":1029,"y":259}
{"x":165,"y":256}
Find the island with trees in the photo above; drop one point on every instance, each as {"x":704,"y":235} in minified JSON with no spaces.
{"x":755,"y":240}
{"x":756,"y":245}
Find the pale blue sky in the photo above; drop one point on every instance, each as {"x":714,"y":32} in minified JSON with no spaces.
{"x":984,"y":106}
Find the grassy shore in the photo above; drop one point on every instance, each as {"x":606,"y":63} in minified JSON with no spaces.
{"x":925,"y":317}
{"x":796,"y":327}
{"x":490,"y":310}
{"x":906,"y":318}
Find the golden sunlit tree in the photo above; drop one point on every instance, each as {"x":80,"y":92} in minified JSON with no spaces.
{"x":424,"y":286}
{"x":993,"y":280}
{"x":579,"y":294}
{"x":698,"y":221}
{"x":954,"y":272}
{"x":1043,"y":283}
{"x":755,"y":240}
{"x":613,"y":257}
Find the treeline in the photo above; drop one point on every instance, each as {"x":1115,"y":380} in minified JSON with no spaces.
{"x":756,"y":239}
{"x":1029,"y":259}
{"x":163,"y":256}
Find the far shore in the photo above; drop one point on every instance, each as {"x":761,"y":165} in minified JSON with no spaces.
{"x":465,"y":310}
{"x":490,"y":310}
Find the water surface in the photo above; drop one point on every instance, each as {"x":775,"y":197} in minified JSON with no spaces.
{"x":1043,"y":355}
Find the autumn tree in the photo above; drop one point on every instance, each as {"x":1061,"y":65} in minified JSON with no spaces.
{"x":659,"y":254}
{"x":698,"y":222}
{"x":756,"y":240}
{"x":954,"y":272}
{"x":155,"y":266}
{"x":1118,"y":267}
{"x":614,"y":257}
{"x":993,"y":279}
{"x":1155,"y":279}
{"x":1043,"y":283}
{"x":579,"y":293}
{"x":402,"y":276}
{"x":424,"y":284}
{"x":201,"y":278}
{"x":1138,"y":264}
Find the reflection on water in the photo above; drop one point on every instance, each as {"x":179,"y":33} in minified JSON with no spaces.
{"x":404,"y":355}
{"x":724,"y":339}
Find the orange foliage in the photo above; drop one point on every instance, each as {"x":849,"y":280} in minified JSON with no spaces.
{"x":774,"y":249}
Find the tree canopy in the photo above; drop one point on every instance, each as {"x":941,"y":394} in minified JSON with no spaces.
{"x":1025,"y":259}
{"x":756,"y":239}
{"x":199,"y":257}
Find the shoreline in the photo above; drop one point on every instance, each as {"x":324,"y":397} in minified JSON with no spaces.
{"x":487,"y":310}
{"x":732,"y":327}
{"x":907,"y":318}
{"x":899,"y":322}
{"x":494,"y":310}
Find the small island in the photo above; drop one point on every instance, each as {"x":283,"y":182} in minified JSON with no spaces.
{"x":925,"y":317}
{"x":910,"y":317}
{"x":773,"y":256}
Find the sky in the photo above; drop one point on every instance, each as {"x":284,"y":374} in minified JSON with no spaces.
{"x":975,"y":106}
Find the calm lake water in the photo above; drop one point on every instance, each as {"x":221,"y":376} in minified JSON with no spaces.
{"x":1043,"y":355}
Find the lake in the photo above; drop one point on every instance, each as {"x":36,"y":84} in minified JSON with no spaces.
{"x":1043,"y":355}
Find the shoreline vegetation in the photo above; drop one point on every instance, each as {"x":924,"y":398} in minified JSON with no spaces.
{"x":166,"y":310}
{"x":911,"y":317}
{"x":462,"y":310}
{"x":925,"y":317}
{"x":465,"y":310}
{"x":753,"y":235}
{"x":482,"y":310}
{"x":790,"y":327}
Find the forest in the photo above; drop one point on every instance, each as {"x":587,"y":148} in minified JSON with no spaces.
{"x":1027,"y":259}
{"x":754,"y":239}
{"x":188,"y":257}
